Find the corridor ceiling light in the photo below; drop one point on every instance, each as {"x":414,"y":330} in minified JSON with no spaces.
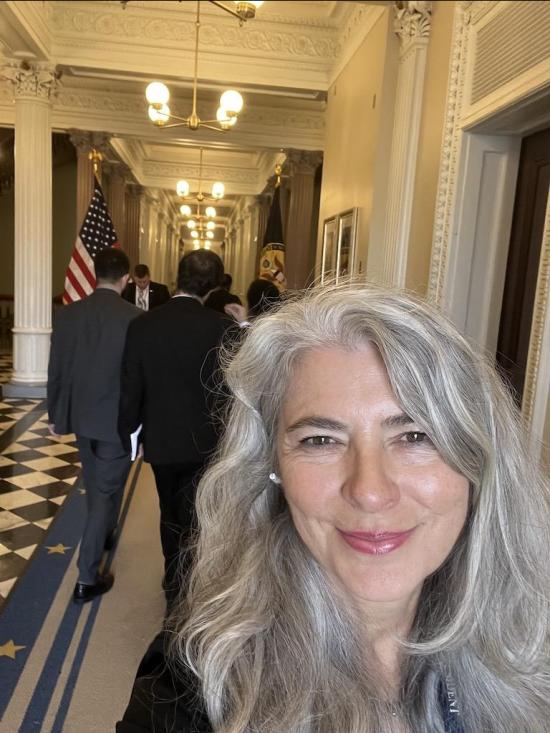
{"x":185,"y":210}
{"x":231,"y":102}
{"x":210,"y":211}
{"x":210,"y":235}
{"x":210,"y":225}
{"x":183,"y":188}
{"x":218,"y":190}
{"x":191,"y":224}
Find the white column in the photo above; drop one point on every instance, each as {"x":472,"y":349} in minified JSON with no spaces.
{"x":33,"y":86}
{"x":412,"y":25}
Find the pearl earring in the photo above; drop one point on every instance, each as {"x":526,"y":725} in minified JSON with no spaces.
{"x":273,"y":477}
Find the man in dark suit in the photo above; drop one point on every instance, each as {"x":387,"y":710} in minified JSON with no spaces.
{"x":169,"y":369}
{"x":143,"y":292}
{"x":83,"y":395}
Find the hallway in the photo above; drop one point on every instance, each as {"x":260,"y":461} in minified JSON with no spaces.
{"x":70,"y":668}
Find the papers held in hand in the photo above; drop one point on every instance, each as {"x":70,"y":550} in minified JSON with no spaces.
{"x":134,"y":438}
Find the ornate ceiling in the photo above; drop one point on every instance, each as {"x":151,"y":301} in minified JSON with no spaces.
{"x":283,"y":63}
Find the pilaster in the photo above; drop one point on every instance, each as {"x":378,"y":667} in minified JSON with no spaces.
{"x":412,"y":24}
{"x":300,"y":240}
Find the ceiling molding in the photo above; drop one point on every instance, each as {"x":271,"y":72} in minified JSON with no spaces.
{"x":359,"y":22}
{"x":161,"y":42}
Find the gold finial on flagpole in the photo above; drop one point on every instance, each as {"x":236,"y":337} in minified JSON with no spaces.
{"x":278,"y":172}
{"x":96,"y":157}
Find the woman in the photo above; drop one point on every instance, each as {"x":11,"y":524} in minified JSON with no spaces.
{"x":373,"y":549}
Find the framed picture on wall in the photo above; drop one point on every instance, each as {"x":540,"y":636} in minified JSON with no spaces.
{"x":347,"y":233}
{"x":330,"y":249}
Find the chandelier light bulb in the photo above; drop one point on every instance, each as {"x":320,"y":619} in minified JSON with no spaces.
{"x":207,"y":245}
{"x":210,"y":211}
{"x":157,"y":93}
{"x":247,"y":10}
{"x":195,"y":234}
{"x":210,"y":235}
{"x":218,"y":190}
{"x":191,"y":224}
{"x":232,"y":102}
{"x":222,"y":115}
{"x":211,"y":225}
{"x":182,"y":188}
{"x":185,"y":209}
{"x":159,"y":116}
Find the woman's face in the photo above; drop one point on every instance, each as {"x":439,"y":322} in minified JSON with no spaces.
{"x":368,"y":492}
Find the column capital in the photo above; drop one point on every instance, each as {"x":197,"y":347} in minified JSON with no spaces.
{"x":302,"y":161}
{"x":38,"y":80}
{"x":413,"y":19}
{"x":82,"y":140}
{"x":135,"y":190}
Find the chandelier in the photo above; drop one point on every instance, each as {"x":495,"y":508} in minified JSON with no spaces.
{"x":201,"y":225}
{"x":231,"y":102}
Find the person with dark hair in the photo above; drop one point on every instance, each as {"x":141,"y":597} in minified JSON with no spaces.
{"x":167,"y":383}
{"x":83,"y":394}
{"x":261,"y":296}
{"x":221,"y":296}
{"x":144,"y":292}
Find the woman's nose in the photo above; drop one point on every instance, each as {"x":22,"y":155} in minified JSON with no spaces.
{"x":369,"y":483}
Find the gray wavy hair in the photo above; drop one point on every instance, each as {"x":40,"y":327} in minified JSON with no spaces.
{"x":273,"y":646}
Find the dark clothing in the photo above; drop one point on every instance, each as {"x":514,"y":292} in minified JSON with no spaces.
{"x":169,"y":381}
{"x":84,"y":368}
{"x":163,"y":702}
{"x":158,"y":294}
{"x":177,"y":487}
{"x":83,"y":396}
{"x":105,"y":467}
{"x":219,"y":298}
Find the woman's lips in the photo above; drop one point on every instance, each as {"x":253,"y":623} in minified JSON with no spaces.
{"x":376,"y":543}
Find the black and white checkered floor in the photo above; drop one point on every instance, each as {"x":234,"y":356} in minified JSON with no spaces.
{"x":37,"y":472}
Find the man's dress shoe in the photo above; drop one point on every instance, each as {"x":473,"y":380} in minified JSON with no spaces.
{"x":83,"y":592}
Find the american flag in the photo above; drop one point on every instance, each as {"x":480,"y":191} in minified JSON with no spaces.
{"x":97,"y":233}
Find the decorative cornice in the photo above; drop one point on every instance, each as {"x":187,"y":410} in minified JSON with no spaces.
{"x":413,"y":20}
{"x":162,"y":169}
{"x":140,"y":26}
{"x":31,"y":80}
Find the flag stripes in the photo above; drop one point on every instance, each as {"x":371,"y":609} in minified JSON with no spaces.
{"x":97,"y":233}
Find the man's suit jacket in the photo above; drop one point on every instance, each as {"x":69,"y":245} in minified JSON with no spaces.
{"x":84,"y":369}
{"x":169,"y":381}
{"x":158,"y":294}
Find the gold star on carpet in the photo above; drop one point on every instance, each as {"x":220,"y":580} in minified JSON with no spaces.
{"x":57,"y":549}
{"x":9,"y":649}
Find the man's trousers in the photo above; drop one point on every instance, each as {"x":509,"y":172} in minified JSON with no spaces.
{"x":105,"y":467}
{"x":176,"y":486}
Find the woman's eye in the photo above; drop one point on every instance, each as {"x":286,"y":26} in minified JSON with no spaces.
{"x":318,"y":440}
{"x":415,"y":436}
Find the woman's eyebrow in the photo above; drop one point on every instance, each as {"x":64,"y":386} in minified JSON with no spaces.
{"x":398,"y":420}
{"x":316,"y":421}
